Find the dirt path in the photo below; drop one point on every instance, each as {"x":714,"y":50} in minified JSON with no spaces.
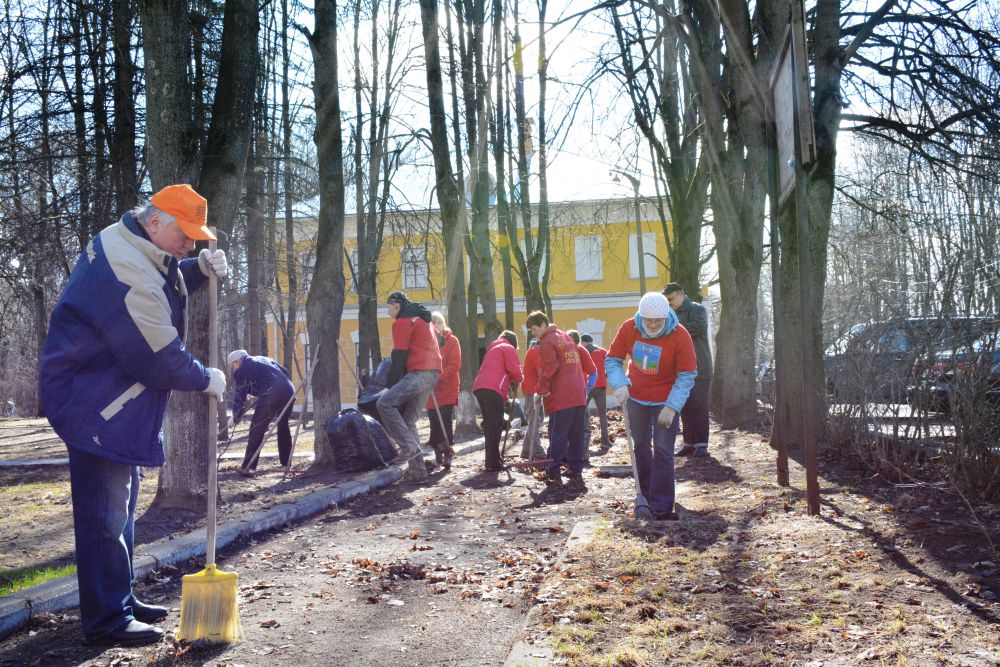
{"x":411,"y":575}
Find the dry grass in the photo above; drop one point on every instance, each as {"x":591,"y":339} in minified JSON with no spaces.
{"x":747,"y":578}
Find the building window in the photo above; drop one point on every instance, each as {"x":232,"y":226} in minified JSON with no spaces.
{"x":414,"y":269}
{"x":352,"y":271}
{"x":307,"y":265}
{"x":589,"y":258}
{"x":649,"y":256}
{"x":594,"y":327}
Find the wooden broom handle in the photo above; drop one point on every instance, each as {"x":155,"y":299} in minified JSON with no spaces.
{"x":213,"y":409}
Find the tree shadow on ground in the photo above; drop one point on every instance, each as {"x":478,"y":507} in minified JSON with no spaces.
{"x":909,"y":514}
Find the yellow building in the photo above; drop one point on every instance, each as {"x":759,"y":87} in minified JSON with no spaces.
{"x":594,"y":282}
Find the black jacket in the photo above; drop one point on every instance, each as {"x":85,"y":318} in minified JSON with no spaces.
{"x":694,"y":317}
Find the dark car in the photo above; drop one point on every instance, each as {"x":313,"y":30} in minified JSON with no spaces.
{"x":874,"y":362}
{"x":967,"y":375}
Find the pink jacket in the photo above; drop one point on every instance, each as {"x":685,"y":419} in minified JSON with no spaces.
{"x":500,"y":367}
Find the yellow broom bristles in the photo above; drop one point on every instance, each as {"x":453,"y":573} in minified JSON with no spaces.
{"x":208,"y":607}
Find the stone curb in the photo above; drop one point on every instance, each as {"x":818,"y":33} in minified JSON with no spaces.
{"x":17,"y":609}
{"x":523,"y":653}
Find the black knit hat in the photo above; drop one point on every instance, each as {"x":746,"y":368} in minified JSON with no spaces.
{"x":586,"y":338}
{"x":398,"y":297}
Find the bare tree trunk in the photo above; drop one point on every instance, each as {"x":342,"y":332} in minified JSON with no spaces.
{"x":453,"y":218}
{"x":325,"y":304}
{"x":182,"y":482}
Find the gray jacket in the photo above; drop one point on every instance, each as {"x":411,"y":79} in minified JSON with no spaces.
{"x":694,"y":317}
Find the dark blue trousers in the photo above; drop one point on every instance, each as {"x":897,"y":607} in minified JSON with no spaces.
{"x":567,"y":436}
{"x":104,"y":499}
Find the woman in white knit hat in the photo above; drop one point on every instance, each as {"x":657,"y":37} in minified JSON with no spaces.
{"x":653,"y":391}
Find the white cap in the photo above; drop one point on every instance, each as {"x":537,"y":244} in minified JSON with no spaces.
{"x":236,"y":355}
{"x":654,"y":305}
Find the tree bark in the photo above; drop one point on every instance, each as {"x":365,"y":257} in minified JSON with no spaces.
{"x":182,"y":482}
{"x":325,"y":303}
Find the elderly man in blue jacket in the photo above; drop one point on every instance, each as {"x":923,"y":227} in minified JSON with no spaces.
{"x":114,"y":352}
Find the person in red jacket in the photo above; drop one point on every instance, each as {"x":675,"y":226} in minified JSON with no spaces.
{"x":499,"y":369}
{"x":442,"y":401}
{"x":561,"y":386}
{"x":416,"y":365}
{"x":599,"y":393}
{"x":589,"y":369}
{"x":659,"y":378}
{"x":533,"y":411}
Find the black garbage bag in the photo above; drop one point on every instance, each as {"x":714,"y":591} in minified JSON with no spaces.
{"x":374,"y":388}
{"x":359,"y":442}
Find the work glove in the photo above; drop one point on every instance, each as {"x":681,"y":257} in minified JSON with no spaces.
{"x":216,"y":383}
{"x":621,"y":394}
{"x":667,"y":415}
{"x":209,"y":261}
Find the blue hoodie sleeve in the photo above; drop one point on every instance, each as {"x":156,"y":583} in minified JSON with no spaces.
{"x":681,"y":390}
{"x":615,"y":371}
{"x":591,"y":381}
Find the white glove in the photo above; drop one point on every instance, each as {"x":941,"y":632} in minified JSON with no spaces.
{"x":216,"y":383}
{"x":231,"y":423}
{"x":621,"y":394}
{"x":209,"y":261}
{"x":667,"y":415}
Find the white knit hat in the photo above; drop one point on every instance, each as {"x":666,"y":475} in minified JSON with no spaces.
{"x":654,"y":305}
{"x":236,"y":355}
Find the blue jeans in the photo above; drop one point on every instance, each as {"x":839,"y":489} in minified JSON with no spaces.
{"x":656,"y":470}
{"x":566,"y":439}
{"x":104,"y":498}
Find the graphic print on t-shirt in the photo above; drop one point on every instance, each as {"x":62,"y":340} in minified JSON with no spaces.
{"x":646,"y":357}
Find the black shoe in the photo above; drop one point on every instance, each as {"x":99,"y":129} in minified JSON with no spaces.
{"x":686,"y":450}
{"x":665,"y":516}
{"x":147,"y":613}
{"x":699,"y":452}
{"x":575,"y":483}
{"x":133,"y":634}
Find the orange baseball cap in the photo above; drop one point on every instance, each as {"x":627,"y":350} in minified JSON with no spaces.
{"x":188,"y":207}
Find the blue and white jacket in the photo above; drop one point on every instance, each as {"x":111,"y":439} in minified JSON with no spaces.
{"x":115,"y":347}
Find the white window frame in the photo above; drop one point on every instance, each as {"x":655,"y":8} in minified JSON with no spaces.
{"x":589,"y":258}
{"x":307,"y":267}
{"x":594,"y":327}
{"x":414,"y":269}
{"x":353,"y":284}
{"x":649,"y":255}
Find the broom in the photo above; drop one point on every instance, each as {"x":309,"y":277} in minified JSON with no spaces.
{"x":208,"y":598}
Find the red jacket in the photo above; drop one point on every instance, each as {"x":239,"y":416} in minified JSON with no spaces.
{"x":420,"y":339}
{"x":500,"y":367}
{"x":655,"y":361}
{"x":561,"y":376}
{"x":446,"y":391}
{"x":599,"y":354}
{"x":532,"y":364}
{"x":586,"y":363}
